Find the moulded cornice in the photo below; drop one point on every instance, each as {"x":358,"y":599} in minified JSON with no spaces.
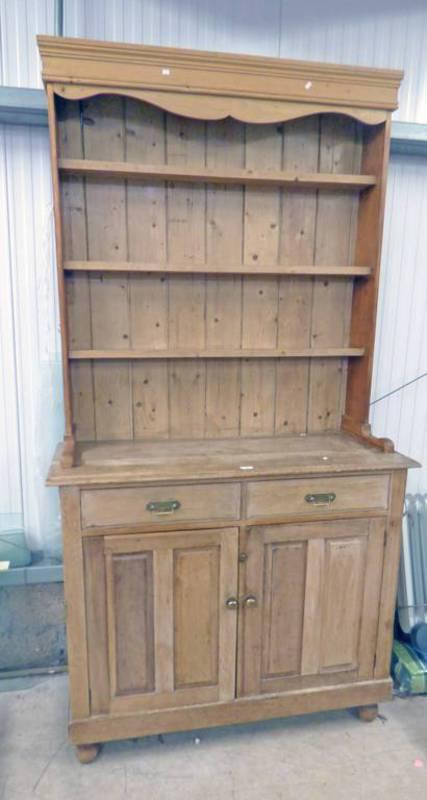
{"x":124,"y":67}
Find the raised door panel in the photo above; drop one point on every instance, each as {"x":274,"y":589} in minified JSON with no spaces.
{"x":314,"y":619}
{"x":159,"y":632}
{"x":131,"y":604}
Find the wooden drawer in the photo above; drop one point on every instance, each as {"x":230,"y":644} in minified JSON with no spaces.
{"x":108,"y":507}
{"x":271,"y":498}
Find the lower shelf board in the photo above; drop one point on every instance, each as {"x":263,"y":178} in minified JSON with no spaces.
{"x":249,"y":709}
{"x":307,"y":352}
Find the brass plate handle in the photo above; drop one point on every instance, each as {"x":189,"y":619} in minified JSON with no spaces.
{"x":320,"y":498}
{"x":232,"y":603}
{"x":250,"y":601}
{"x":163,"y":507}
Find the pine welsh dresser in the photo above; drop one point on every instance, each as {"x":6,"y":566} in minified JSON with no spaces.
{"x":231,"y":527}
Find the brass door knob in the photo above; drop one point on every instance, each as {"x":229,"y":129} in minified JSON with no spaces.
{"x":232,"y":603}
{"x":250,"y":601}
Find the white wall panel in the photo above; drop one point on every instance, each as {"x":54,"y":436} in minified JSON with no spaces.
{"x":242,"y":26}
{"x":10,"y":457}
{"x":401,"y":351}
{"x":383,"y":33}
{"x":33,"y":344}
{"x":20,"y":21}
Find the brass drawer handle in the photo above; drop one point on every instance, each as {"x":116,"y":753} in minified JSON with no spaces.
{"x":321,"y":498}
{"x":232,"y":603}
{"x":163,"y":507}
{"x":250,"y":601}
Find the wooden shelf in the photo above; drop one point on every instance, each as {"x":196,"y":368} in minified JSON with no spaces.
{"x":217,"y":269}
{"x":159,"y":172}
{"x":309,"y":352}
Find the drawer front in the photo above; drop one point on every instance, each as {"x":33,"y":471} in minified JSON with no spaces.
{"x":271,"y":498}
{"x":133,"y":506}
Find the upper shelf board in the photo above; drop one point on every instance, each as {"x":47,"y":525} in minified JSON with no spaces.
{"x":159,"y":172}
{"x":307,"y":352}
{"x":217,"y":269}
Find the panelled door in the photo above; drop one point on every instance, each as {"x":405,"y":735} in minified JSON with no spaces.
{"x":160,"y":632}
{"x":310,"y":601}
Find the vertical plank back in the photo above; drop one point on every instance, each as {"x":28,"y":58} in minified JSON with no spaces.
{"x":340,"y":151}
{"x":224,"y":242}
{"x":103,"y":137}
{"x":74,"y":225}
{"x":297,"y":245}
{"x":368,"y":246}
{"x":148,"y":293}
{"x":183,"y":224}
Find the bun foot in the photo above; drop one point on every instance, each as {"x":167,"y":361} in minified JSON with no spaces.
{"x":87,"y":752}
{"x":367,"y":713}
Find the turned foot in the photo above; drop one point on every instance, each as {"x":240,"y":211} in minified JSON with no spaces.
{"x":87,"y":752}
{"x":367,"y":713}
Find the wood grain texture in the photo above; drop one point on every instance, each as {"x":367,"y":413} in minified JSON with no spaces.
{"x":297,"y":244}
{"x":254,"y":315}
{"x":212,"y":267}
{"x":129,"y":506}
{"x":308,"y":701}
{"x":369,"y":238}
{"x":68,"y":455}
{"x":74,"y":227}
{"x":269,"y":177}
{"x":269,"y":497}
{"x":330,"y":352}
{"x":345,"y":561}
{"x":103,"y":132}
{"x":97,"y":635}
{"x":169,"y":631}
{"x":74,"y":590}
{"x":157,"y":461}
{"x":283,"y":601}
{"x":312,"y":585}
{"x":196,"y":616}
{"x":390,"y":574}
{"x":133,"y":590}
{"x":331,"y":310}
{"x":193,"y":73}
{"x":218,"y":282}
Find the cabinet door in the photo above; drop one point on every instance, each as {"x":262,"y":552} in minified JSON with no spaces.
{"x":312,"y":599}
{"x":159,"y":632}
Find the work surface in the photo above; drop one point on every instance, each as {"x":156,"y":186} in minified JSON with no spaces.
{"x":144,"y":461}
{"x":329,"y":756}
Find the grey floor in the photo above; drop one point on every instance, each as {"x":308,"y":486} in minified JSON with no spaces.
{"x":331,"y":756}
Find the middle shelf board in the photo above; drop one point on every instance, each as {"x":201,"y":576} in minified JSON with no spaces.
{"x":168,"y":172}
{"x":308,"y":352}
{"x":217,"y":269}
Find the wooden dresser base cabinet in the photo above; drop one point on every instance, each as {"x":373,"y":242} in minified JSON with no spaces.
{"x":231,"y":526}
{"x":175,"y":629}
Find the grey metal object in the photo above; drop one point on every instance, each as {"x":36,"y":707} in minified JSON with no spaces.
{"x":23,"y":106}
{"x":37,"y":573}
{"x":412,"y":588}
{"x":409,"y":139}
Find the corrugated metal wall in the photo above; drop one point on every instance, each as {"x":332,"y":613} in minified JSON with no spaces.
{"x":30,"y":379}
{"x":381,"y":33}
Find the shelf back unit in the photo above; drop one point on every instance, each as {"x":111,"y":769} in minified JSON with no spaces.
{"x":218,"y":232}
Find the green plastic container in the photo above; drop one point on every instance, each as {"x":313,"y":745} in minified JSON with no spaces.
{"x":408,"y":669}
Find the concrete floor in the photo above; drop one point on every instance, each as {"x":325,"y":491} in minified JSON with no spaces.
{"x":333,"y":756}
